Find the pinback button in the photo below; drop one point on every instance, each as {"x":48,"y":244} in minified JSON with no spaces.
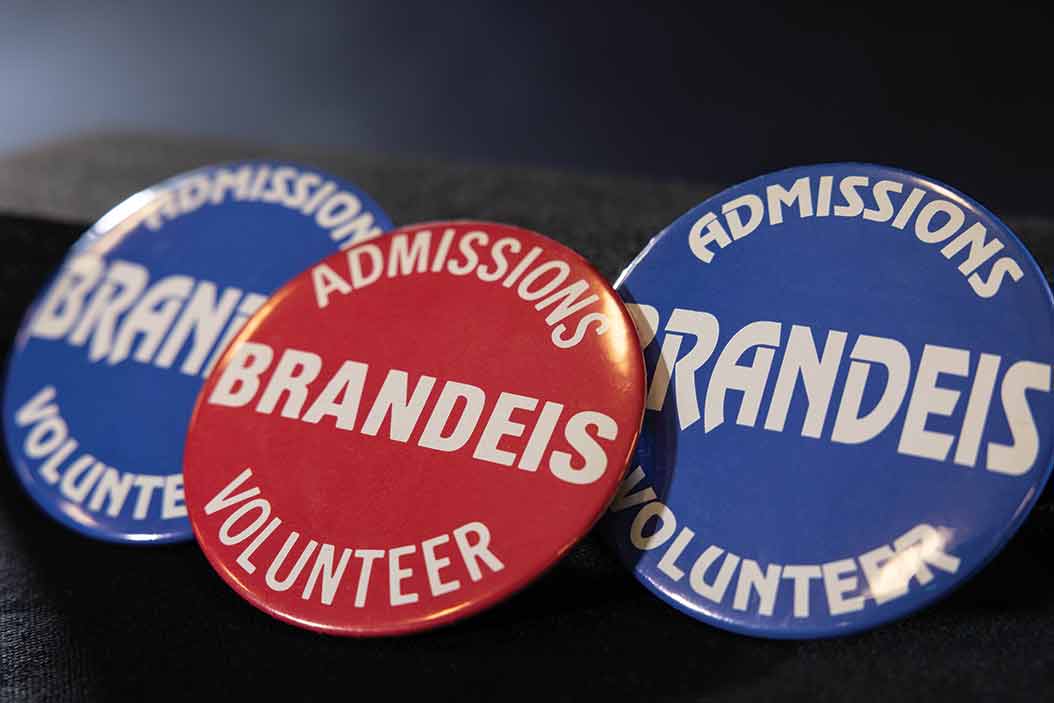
{"x":849,"y":410}
{"x":110,"y":357}
{"x":414,"y":429}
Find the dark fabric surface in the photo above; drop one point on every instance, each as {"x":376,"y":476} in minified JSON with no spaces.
{"x":81,"y":620}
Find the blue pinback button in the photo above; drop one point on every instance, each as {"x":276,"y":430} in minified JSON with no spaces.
{"x":849,"y":409}
{"x":110,"y":357}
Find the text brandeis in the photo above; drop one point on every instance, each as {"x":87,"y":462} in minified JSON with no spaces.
{"x":689,"y":347}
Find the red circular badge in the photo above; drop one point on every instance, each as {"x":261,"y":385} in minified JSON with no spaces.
{"x":413,"y":429}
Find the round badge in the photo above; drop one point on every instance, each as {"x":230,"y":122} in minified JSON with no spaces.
{"x":414,"y":429}
{"x":849,"y":408}
{"x":110,"y":357}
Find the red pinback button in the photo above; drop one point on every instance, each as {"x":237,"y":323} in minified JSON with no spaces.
{"x":412,"y":430}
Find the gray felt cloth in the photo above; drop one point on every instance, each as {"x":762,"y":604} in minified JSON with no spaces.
{"x":81,"y":620}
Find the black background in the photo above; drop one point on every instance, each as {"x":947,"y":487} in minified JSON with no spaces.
{"x":705,"y":92}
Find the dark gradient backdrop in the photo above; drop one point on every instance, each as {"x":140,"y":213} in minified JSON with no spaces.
{"x":715,"y":92}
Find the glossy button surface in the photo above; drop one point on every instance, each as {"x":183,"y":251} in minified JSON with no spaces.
{"x":849,"y":408}
{"x":111,"y":355}
{"x":413,"y":430}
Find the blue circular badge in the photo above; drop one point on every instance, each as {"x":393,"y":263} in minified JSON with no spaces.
{"x":110,"y":358}
{"x":849,"y":408}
